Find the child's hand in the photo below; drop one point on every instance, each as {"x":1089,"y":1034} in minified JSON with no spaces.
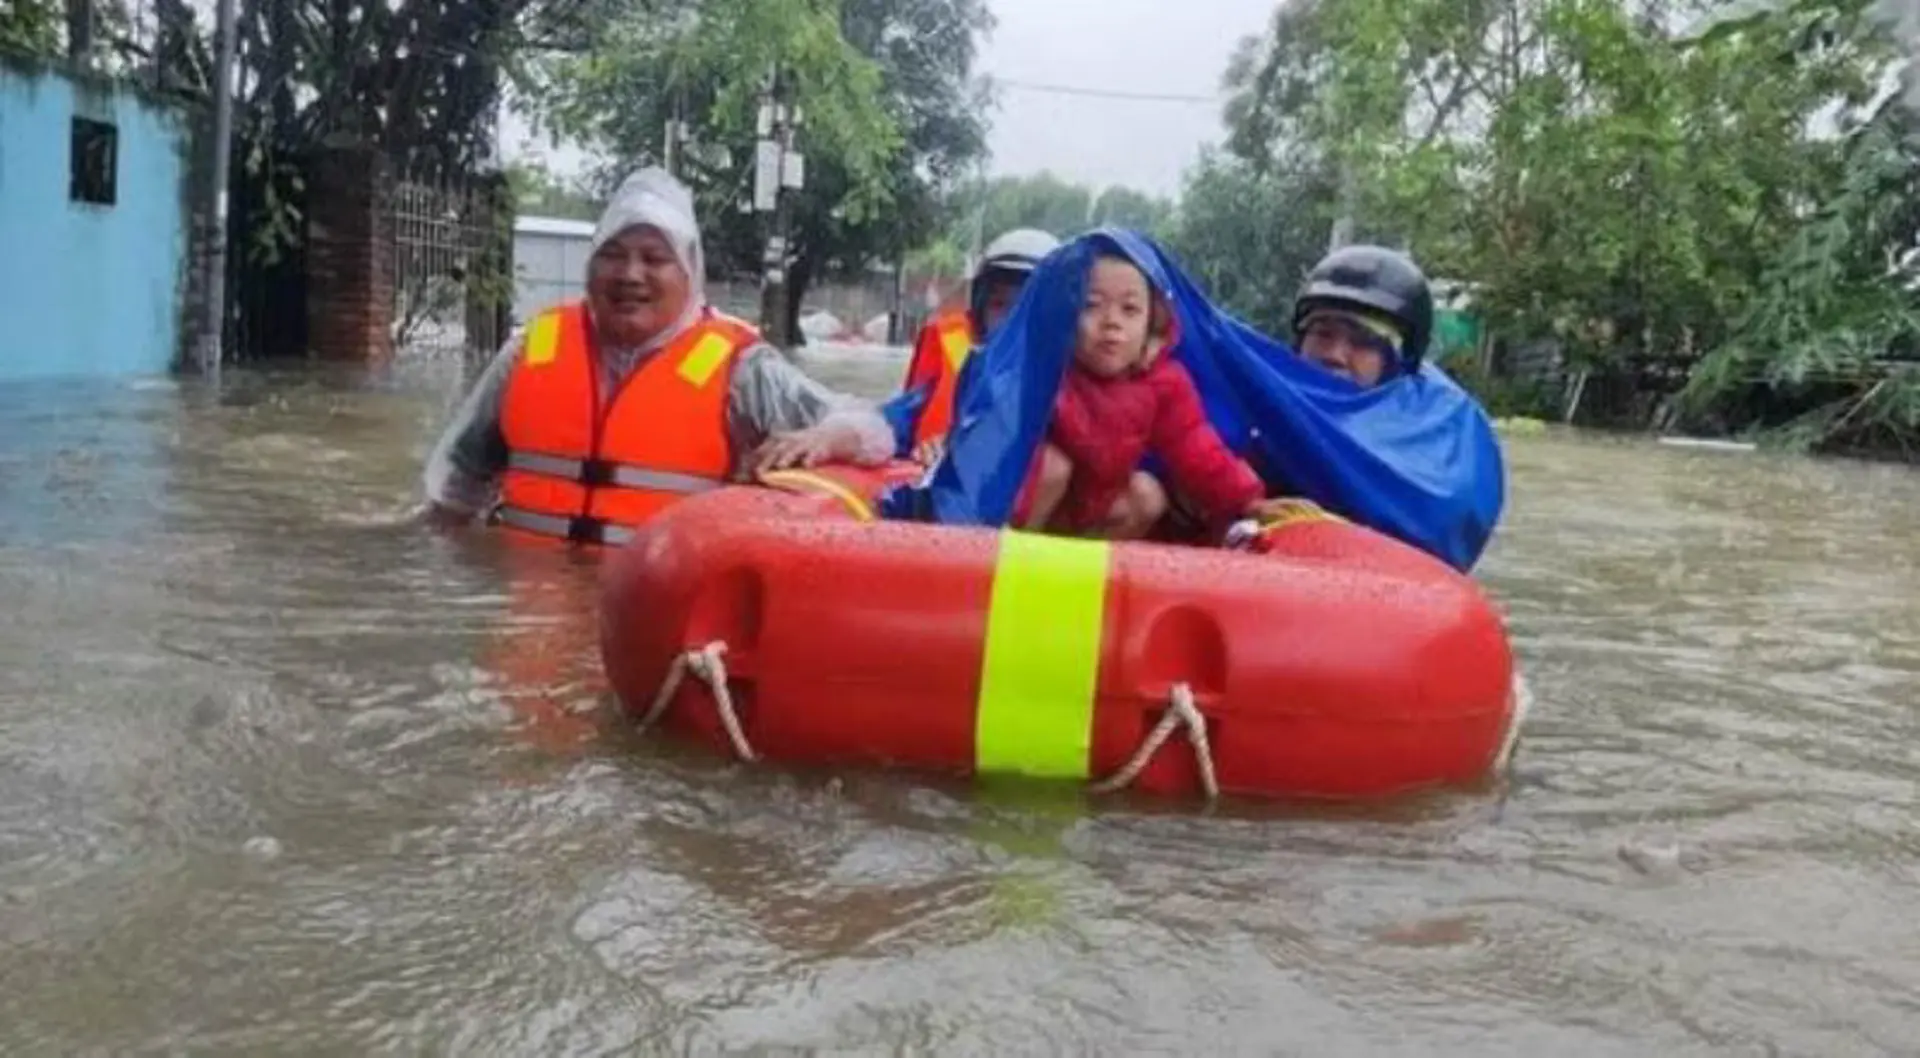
{"x":928,"y":452}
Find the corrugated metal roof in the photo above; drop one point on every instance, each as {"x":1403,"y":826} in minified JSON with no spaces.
{"x":552,"y":226}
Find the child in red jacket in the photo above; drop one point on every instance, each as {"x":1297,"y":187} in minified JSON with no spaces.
{"x":1121,"y":399}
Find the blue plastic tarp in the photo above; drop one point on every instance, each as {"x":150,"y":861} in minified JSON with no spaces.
{"x":1414,"y":457}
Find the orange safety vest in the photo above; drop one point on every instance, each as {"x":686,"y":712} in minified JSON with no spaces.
{"x":942,"y":346}
{"x":580,"y":473}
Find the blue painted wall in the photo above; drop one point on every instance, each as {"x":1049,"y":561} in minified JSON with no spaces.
{"x":86,"y":289}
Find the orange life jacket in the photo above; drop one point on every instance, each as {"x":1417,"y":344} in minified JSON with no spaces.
{"x":580,"y":473}
{"x":938,"y":352}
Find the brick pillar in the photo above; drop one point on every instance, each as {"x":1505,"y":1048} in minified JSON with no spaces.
{"x":349,"y":255}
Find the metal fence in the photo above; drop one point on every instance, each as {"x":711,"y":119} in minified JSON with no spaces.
{"x":448,"y":295}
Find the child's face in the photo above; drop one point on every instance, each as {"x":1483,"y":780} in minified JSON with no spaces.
{"x":1114,"y":322}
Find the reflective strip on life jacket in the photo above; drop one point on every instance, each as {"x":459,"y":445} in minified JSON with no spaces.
{"x":599,"y":472}
{"x":1045,"y":623}
{"x":579,"y":530}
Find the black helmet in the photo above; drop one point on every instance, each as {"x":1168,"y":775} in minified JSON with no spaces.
{"x":1377,"y":281}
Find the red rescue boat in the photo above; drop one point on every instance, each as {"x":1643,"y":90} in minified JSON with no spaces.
{"x":790,"y":624}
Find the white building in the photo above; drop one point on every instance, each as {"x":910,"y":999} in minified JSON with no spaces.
{"x":549,"y":263}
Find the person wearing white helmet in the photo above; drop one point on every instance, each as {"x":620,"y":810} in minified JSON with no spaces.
{"x":946,"y":340}
{"x":1004,"y":267}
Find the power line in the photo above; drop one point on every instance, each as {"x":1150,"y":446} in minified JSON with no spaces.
{"x":1104,"y":93}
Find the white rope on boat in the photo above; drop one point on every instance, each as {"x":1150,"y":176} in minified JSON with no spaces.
{"x":709,"y":665}
{"x":1522,"y":704}
{"x":1180,"y":710}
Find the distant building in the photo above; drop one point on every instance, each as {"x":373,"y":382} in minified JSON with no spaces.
{"x":550,"y":266}
{"x":549,"y":263}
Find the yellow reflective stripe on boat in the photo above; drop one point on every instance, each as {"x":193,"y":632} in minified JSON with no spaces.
{"x":1042,"y":662}
{"x":799,"y":480}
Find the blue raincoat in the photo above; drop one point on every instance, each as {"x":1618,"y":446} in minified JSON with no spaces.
{"x":1414,"y":457}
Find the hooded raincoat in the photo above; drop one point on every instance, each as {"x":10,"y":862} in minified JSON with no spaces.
{"x":767,"y":393}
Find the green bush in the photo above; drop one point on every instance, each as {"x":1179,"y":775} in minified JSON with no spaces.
{"x":1503,"y":397}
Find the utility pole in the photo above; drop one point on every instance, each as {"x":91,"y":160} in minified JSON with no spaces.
{"x":213,"y":336}
{"x":674,"y":141}
{"x":778,"y":169}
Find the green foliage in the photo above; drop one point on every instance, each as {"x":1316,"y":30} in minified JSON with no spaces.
{"x":1042,"y":200}
{"x":33,"y":28}
{"x":1830,"y":340}
{"x":1052,"y":204}
{"x":1249,"y":233}
{"x":942,"y":257}
{"x":1123,"y":207}
{"x":890,"y":113}
{"x":1503,"y":396}
{"x":1642,"y":180}
{"x":538,"y":191}
{"x":713,"y":60}
{"x":156,"y":43}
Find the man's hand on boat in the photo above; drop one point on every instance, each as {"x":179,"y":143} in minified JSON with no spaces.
{"x":827,"y":441}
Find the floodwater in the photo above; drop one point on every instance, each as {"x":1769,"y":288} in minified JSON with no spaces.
{"x":282,"y":774}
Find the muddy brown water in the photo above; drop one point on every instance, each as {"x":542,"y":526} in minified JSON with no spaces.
{"x":282,"y":774}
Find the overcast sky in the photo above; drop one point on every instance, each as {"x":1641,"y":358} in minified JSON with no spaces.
{"x":1151,"y":47}
{"x":1139,"y":47}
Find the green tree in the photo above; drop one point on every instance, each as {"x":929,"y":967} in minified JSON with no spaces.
{"x":1125,"y":207}
{"x":539,"y":191}
{"x":1599,"y":174}
{"x":982,"y":210}
{"x":1829,"y":349}
{"x":1249,"y":233}
{"x":890,"y":113}
{"x":33,"y":28}
{"x":418,"y":81}
{"x":1041,"y":200}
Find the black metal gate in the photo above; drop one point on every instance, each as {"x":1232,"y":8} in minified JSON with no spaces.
{"x":452,"y":264}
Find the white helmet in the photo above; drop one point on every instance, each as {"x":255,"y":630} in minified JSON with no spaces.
{"x":1019,"y":250}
